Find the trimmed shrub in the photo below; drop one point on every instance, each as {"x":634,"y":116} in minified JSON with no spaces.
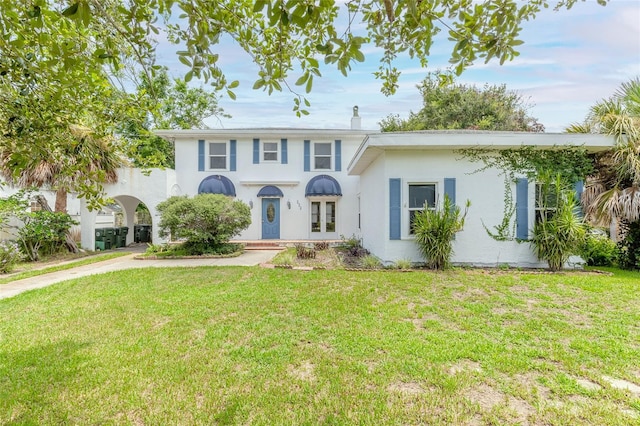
{"x":598,"y":250}
{"x":204,"y":220}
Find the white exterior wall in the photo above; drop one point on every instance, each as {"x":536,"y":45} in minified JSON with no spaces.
{"x":485,"y":190}
{"x":374,"y":195}
{"x":133,"y":187}
{"x":249,"y":178}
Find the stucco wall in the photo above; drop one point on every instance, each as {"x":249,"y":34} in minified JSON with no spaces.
{"x":133,"y":187}
{"x":485,"y":190}
{"x":249,"y":178}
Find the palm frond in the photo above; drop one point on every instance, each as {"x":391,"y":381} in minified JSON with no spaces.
{"x":629,"y":204}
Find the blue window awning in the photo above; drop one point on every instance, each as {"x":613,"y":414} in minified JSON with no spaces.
{"x":323,"y":185}
{"x":217,"y":184}
{"x":270,"y":191}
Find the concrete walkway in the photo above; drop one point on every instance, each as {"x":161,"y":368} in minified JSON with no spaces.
{"x":248,"y":258}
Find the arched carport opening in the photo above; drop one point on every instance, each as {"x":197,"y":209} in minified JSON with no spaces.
{"x":127,"y":220}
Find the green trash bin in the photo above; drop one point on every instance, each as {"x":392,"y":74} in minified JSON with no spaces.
{"x":142,"y":233}
{"x":100,"y":235}
{"x":121,"y":234}
{"x":110,"y":238}
{"x":146,"y":233}
{"x":136,"y":233}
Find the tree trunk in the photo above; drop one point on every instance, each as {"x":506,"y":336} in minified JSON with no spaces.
{"x":44,"y":205}
{"x":61,"y":201}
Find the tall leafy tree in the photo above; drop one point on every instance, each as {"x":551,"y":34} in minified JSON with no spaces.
{"x":449,"y":105}
{"x":166,"y":104}
{"x":58,"y":105}
{"x":56,"y":55}
{"x":613,"y":192}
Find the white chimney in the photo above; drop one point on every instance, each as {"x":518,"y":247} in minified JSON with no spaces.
{"x":355,"y":120}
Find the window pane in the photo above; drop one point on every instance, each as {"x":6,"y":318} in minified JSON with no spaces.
{"x":421,"y":194}
{"x":322,"y":149}
{"x":270,"y":146}
{"x":322,"y":163}
{"x":270,"y":156}
{"x":546,"y":194}
{"x":315,"y":216}
{"x":217,"y":162}
{"x":217,"y":149}
{"x":412,"y":217}
{"x":330,"y":214}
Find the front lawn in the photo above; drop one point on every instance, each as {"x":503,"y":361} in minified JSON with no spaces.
{"x":276,"y":346}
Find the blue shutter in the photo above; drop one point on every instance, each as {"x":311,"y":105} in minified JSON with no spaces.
{"x":283,"y":151}
{"x":232,"y":155}
{"x":256,"y":151}
{"x":201,"y":155}
{"x":395,"y":209}
{"x":338,"y":155}
{"x":522,"y":209}
{"x":578,"y":187}
{"x":307,"y":156}
{"x":450,"y":190}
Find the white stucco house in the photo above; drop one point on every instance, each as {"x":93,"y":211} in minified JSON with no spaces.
{"x":321,"y":184}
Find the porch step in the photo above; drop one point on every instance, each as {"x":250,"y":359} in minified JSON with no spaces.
{"x":279,"y":244}
{"x":262,"y":245}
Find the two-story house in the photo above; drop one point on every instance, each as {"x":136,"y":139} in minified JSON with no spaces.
{"x":321,"y":184}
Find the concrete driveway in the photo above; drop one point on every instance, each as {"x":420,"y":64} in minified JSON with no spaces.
{"x":248,"y":258}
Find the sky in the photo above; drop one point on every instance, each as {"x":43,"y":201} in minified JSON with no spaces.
{"x":569,"y":61}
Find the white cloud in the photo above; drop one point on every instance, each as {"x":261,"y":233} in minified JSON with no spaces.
{"x":570,"y":60}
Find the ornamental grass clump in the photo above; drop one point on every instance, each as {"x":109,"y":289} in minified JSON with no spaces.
{"x":435,"y":230}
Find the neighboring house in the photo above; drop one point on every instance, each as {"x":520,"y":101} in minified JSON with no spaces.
{"x":310,"y":184}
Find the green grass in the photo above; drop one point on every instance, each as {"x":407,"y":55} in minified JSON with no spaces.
{"x":60,"y":267}
{"x":258,"y":346}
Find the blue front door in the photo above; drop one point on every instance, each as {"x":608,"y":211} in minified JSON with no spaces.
{"x":271,"y":218}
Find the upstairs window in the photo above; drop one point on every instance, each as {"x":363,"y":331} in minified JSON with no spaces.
{"x":270,"y":151}
{"x":217,"y":155}
{"x":421,"y":195}
{"x":322,"y":156}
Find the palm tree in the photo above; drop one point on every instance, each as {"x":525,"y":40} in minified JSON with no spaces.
{"x":84,"y":159}
{"x":612,"y":194}
{"x":79,"y":163}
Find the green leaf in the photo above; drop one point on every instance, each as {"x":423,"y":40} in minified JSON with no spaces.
{"x":309,"y":84}
{"x":231,"y":94}
{"x":303,"y":79}
{"x":233,"y":84}
{"x":258,"y":84}
{"x":184,"y":60}
{"x":71,"y":10}
{"x":259,"y":5}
